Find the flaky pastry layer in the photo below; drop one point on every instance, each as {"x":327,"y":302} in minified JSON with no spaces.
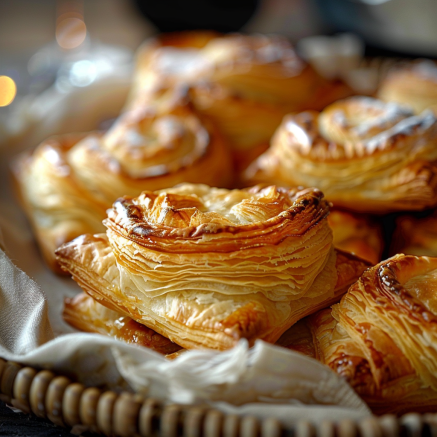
{"x":364,"y":154}
{"x":206,"y":267}
{"x":381,"y":336}
{"x":86,"y":314}
{"x":68,"y":182}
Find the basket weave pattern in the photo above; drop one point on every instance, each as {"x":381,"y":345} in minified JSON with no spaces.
{"x":68,"y":403}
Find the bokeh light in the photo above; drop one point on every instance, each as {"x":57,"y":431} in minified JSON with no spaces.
{"x":70,"y":31}
{"x":8,"y":90}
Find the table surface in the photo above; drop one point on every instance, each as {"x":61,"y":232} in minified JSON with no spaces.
{"x":19,"y":425}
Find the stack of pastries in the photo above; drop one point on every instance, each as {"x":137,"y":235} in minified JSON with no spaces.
{"x":414,"y":84}
{"x":245,"y":84}
{"x":169,"y":261}
{"x":206,"y":267}
{"x":67,"y":183}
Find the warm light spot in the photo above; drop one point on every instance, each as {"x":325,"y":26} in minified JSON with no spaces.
{"x":70,"y":32}
{"x":68,"y":14}
{"x":8,"y":89}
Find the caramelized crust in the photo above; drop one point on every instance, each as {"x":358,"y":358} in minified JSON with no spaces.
{"x":259,"y":216}
{"x":85,"y":314}
{"x":206,"y":267}
{"x":413,"y":84}
{"x":68,"y":182}
{"x":381,"y":336}
{"x":365,"y":155}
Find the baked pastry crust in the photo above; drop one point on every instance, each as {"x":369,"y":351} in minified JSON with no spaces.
{"x":261,"y":68}
{"x":68,"y":182}
{"x":206,"y":267}
{"x":358,"y":234}
{"x":244,"y":83}
{"x":85,"y":314}
{"x":415,"y":235}
{"x":381,"y":336}
{"x":170,"y":58}
{"x":413,"y":84}
{"x":364,"y":154}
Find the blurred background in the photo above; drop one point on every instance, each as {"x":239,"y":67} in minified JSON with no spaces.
{"x":50,"y":48}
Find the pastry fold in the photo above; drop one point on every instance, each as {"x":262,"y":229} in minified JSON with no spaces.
{"x":206,"y":267}
{"x":413,"y":84}
{"x":244,"y":83}
{"x":86,"y":314}
{"x":381,"y":336}
{"x":67,"y":183}
{"x":364,"y":154}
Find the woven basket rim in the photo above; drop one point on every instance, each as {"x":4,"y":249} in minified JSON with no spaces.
{"x":64,"y":402}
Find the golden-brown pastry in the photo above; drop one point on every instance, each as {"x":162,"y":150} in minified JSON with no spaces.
{"x":364,"y":154}
{"x":206,"y":267}
{"x":415,"y":235}
{"x":413,"y":84}
{"x":85,"y":314}
{"x":382,"y":335}
{"x":260,"y":68}
{"x":169,"y":58}
{"x":244,"y":83}
{"x":357,"y":234}
{"x":68,"y":182}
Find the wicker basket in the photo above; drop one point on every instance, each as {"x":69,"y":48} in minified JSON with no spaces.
{"x":67,"y":404}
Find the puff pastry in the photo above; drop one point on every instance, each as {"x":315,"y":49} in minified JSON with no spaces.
{"x":382,"y":335}
{"x":85,"y":314}
{"x":364,"y":154}
{"x":357,"y":234}
{"x":413,"y":84}
{"x":415,"y":234}
{"x":205,"y":267}
{"x":171,"y":58}
{"x":244,"y":83}
{"x":68,"y":182}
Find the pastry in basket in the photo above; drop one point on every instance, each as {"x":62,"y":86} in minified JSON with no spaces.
{"x":415,"y":234}
{"x":413,"y":84}
{"x":86,"y":314}
{"x":244,"y":83}
{"x":206,"y":267}
{"x":67,"y":183}
{"x":382,"y":336}
{"x":357,"y":234}
{"x":364,"y":154}
{"x":170,"y":57}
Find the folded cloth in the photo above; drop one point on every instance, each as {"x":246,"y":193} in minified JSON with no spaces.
{"x":24,"y":323}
